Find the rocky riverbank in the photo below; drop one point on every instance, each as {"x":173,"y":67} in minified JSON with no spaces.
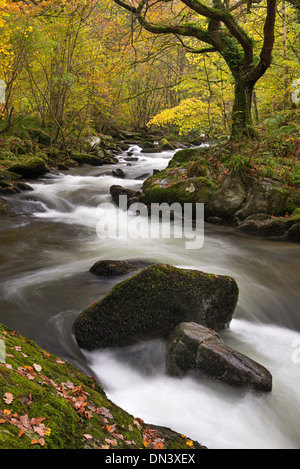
{"x":244,"y":199}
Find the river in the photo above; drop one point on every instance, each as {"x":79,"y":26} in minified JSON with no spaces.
{"x":45,"y":256}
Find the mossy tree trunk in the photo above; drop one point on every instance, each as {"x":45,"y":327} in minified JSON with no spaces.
{"x":242,"y":123}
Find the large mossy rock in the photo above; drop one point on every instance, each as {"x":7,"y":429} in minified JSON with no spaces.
{"x":40,"y":136}
{"x":193,"y":347}
{"x":47,"y":403}
{"x":152,"y":302}
{"x":31,"y":168}
{"x":86,"y":158}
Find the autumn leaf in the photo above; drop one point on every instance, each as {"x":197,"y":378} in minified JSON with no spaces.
{"x":189,"y":443}
{"x":105,"y":412}
{"x":111,"y":428}
{"x":37,"y":367}
{"x":8,"y":398}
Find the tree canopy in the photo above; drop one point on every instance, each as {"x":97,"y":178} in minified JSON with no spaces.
{"x":183,"y":66}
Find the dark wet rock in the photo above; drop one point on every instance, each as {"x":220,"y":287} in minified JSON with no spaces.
{"x":107,"y":267}
{"x":151,"y":303}
{"x":116,"y":191}
{"x":109,"y":159}
{"x":118,"y":173}
{"x":131,"y":158}
{"x":293,"y":233}
{"x":277,"y":227}
{"x":193,"y":347}
{"x":11,"y":183}
{"x":142,"y":176}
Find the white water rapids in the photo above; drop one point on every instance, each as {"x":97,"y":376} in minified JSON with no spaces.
{"x":45,"y":283}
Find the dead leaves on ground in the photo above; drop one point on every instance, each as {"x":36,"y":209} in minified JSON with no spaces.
{"x":76,"y":395}
{"x":36,"y":429}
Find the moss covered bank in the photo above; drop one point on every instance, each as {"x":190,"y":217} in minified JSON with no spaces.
{"x":48,"y":403}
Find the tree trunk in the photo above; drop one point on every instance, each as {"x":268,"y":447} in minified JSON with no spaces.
{"x":242,"y":125}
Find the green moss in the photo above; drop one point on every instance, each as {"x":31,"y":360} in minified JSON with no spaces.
{"x":30,"y":168}
{"x":295,"y":215}
{"x":186,"y":155}
{"x":42,"y":386}
{"x":152,"y":302}
{"x":86,"y":158}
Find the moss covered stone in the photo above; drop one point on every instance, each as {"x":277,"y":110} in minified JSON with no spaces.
{"x":152,"y":302}
{"x":86,"y":158}
{"x":47,"y":403}
{"x":187,"y":155}
{"x":30,"y":168}
{"x":108,"y":267}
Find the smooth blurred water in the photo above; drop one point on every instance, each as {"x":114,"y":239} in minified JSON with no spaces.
{"x":45,"y":256}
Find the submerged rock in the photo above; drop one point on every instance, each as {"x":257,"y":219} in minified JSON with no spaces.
{"x":152,"y":302}
{"x":118,"y":173}
{"x":194,"y":347}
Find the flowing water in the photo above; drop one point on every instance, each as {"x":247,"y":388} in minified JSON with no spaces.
{"x":45,"y":256}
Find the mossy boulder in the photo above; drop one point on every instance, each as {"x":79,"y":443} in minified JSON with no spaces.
{"x":172,"y":186}
{"x":86,"y":158}
{"x":30,"y":168}
{"x":193,"y":347}
{"x":47,"y":403}
{"x":40,"y":136}
{"x":266,"y":195}
{"x":152,"y":302}
{"x":186,"y":155}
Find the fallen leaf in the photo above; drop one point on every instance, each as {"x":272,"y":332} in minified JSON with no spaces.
{"x":8,"y":398}
{"x":37,"y":367}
